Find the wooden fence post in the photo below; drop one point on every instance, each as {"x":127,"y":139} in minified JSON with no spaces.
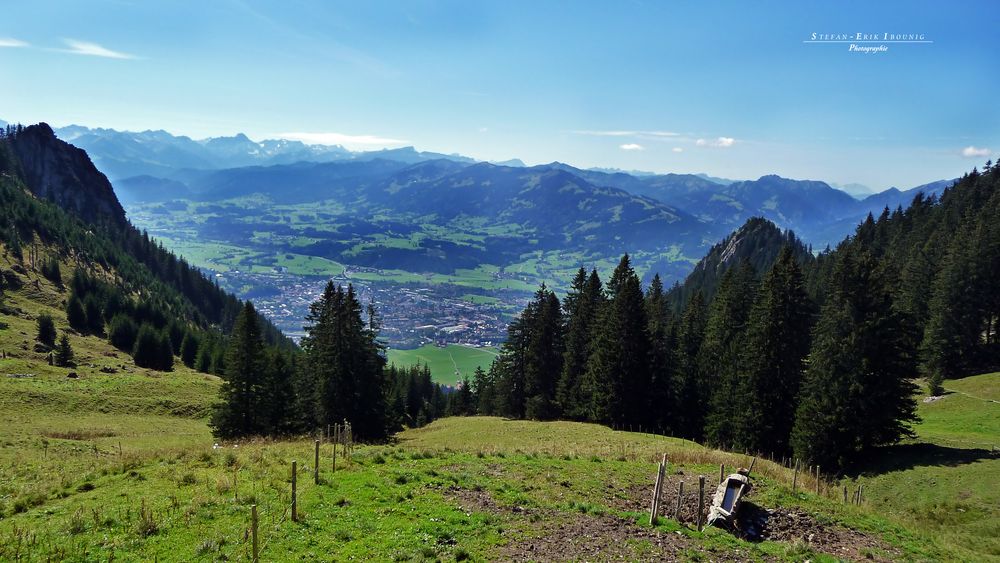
{"x":680,"y":496}
{"x":817,"y":479}
{"x":845,"y":494}
{"x":722,"y":472}
{"x":795,"y":476}
{"x":253,"y":528}
{"x":316,"y":465}
{"x":295,"y":516}
{"x":654,"y":509}
{"x":701,"y":501}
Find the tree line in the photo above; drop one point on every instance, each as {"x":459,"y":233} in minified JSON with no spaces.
{"x":340,"y":374}
{"x":785,"y":354}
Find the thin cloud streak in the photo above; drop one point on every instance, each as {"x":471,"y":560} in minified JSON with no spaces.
{"x":975,"y":152}
{"x":719,"y":143}
{"x":632,"y":147}
{"x":11,"y":42}
{"x":93,"y":50}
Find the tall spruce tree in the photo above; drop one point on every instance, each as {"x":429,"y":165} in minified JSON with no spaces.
{"x":241,"y":411}
{"x":856,"y":393}
{"x":580,"y":307}
{"x":484,"y":391}
{"x":776,"y":345}
{"x":720,"y":391}
{"x":543,"y":357}
{"x":64,"y":352}
{"x":662,"y":349}
{"x":344,"y":366}
{"x":510,"y":364}
{"x":617,"y":377}
{"x":687,"y":412}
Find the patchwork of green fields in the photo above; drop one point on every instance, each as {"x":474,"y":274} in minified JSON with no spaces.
{"x":261,"y":236}
{"x":448,"y":364}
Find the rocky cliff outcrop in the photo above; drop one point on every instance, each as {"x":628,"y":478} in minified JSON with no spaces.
{"x":55,"y":170}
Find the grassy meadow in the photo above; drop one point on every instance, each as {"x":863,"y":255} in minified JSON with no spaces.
{"x":118,"y":463}
{"x":448,"y":364}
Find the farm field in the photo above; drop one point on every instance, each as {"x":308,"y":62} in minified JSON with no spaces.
{"x":448,"y":364}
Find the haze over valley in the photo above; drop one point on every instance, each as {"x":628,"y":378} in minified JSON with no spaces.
{"x":449,"y":248}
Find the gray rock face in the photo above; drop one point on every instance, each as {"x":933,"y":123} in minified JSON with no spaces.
{"x":64,"y":174}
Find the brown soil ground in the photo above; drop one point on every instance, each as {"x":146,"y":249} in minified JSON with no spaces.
{"x":553,"y":536}
{"x":760,"y":524}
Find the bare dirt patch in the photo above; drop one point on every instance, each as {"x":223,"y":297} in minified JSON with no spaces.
{"x":760,"y":524}
{"x":549,"y":535}
{"x":790,"y":525}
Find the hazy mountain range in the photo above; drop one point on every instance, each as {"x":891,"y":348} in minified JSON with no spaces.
{"x":596,"y":206}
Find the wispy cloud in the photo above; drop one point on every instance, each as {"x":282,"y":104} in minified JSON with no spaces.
{"x":632,"y":147}
{"x":627,"y":133}
{"x":349,"y":141}
{"x":720,"y":142}
{"x":677,"y":149}
{"x":975,"y":152}
{"x":93,"y":50}
{"x":11,"y":42}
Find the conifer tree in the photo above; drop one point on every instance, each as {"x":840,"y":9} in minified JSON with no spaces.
{"x":276,"y":392}
{"x":509,"y":365}
{"x":64,"y":352}
{"x":93,"y":314}
{"x":346,"y":364}
{"x":662,"y":341}
{"x":46,"y":330}
{"x":240,"y":411}
{"x":776,"y":345}
{"x":954,"y":326}
{"x":720,"y":391}
{"x":189,"y":348}
{"x":856,"y":393}
{"x":617,"y":377}
{"x":76,"y":316}
{"x":122,"y":332}
{"x":484,"y":391}
{"x":543,"y":357}
{"x":580,"y":307}
{"x":687,"y":410}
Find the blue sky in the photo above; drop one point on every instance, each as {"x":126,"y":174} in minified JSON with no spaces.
{"x":727,"y":88}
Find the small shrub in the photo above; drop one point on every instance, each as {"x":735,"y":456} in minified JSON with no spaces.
{"x":402,"y":480}
{"x":206,"y":457}
{"x":461,"y":555}
{"x":223,"y":485}
{"x":77,"y":525}
{"x":25,"y":503}
{"x":378,"y":459}
{"x":147,"y":525}
{"x":230,"y":460}
{"x":187,"y":479}
{"x":211,"y":546}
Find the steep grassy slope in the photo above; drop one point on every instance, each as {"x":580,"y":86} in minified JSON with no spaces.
{"x":944,"y":483}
